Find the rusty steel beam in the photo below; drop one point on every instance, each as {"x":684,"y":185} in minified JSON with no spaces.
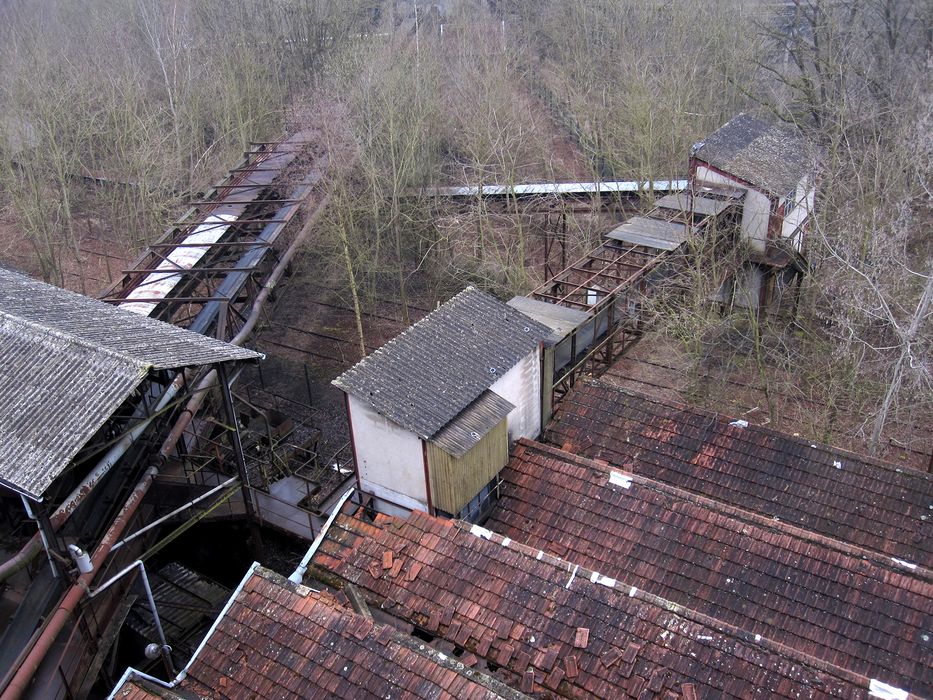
{"x":218,"y":244}
{"x":228,"y":224}
{"x":189,"y":271}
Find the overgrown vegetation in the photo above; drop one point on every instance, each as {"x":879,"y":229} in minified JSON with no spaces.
{"x":155,"y":98}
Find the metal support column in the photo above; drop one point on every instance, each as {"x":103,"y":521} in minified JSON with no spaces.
{"x":240,"y":459}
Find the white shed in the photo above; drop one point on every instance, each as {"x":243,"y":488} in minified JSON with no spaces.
{"x":432,"y":412}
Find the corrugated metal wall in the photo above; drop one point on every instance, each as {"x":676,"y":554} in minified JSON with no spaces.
{"x":454,"y":482}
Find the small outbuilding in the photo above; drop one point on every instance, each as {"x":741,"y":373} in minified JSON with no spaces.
{"x":775,"y":166}
{"x":432,"y":412}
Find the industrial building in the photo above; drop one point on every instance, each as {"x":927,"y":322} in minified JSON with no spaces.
{"x":432,"y":412}
{"x":512,"y":526}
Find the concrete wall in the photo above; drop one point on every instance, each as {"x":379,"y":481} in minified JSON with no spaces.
{"x":756,"y":211}
{"x":390,"y":460}
{"x":521,"y":386}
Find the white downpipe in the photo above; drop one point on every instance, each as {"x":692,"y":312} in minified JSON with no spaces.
{"x":299,"y":573}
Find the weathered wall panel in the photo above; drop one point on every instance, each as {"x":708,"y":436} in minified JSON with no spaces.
{"x":389,"y":458}
{"x":454,"y":482}
{"x":521,"y":386}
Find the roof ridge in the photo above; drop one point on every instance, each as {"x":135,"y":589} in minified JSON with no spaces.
{"x":812,"y":444}
{"x":74,"y":339}
{"x":887,"y":562}
{"x":428,"y":373}
{"x":595,"y":578}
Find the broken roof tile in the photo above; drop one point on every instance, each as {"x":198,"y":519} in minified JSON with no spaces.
{"x":848,"y":607}
{"x":328,"y":652}
{"x":467,"y":567}
{"x":581,"y":638}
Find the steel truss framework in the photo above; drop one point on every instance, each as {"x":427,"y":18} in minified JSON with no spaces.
{"x":610,"y":283}
{"x":255,"y":201}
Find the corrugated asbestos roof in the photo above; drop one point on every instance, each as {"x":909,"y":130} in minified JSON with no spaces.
{"x":772,"y":157}
{"x":652,"y":233}
{"x":103,"y":328}
{"x":428,"y":374}
{"x":66,"y":363}
{"x":554,"y":627}
{"x":468,"y":428}
{"x":560,"y":319}
{"x":867,"y":614}
{"x":282,"y":640}
{"x":828,"y":491}
{"x":697,"y":204}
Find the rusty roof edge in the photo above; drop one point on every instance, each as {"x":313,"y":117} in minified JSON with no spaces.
{"x":813,"y":444}
{"x":595,"y":578}
{"x":885,"y":561}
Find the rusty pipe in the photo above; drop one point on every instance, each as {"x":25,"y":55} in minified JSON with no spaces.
{"x":24,"y":674}
{"x":34,"y":546}
{"x":29,"y":551}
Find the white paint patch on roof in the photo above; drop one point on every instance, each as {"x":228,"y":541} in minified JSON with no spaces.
{"x":572,"y":576}
{"x":877,"y":689}
{"x":481,"y":532}
{"x":905,"y":564}
{"x":597,"y":577}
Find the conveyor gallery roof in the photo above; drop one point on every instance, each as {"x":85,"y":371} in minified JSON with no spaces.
{"x":67,"y":363}
{"x":540,"y":189}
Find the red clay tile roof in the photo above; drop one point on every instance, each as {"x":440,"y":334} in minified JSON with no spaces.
{"x":520,"y":609}
{"x":137,"y":689}
{"x":823,"y":489}
{"x":284,"y":641}
{"x":865,"y":614}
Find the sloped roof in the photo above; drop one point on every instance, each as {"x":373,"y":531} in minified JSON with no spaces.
{"x":66,"y":363}
{"x":820,"y":488}
{"x":551,"y":625}
{"x":282,"y":640}
{"x":864,"y":613}
{"x":462,"y":433}
{"x":651,"y":233}
{"x":772,"y":157}
{"x":561,"y":320}
{"x":425,"y":376}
